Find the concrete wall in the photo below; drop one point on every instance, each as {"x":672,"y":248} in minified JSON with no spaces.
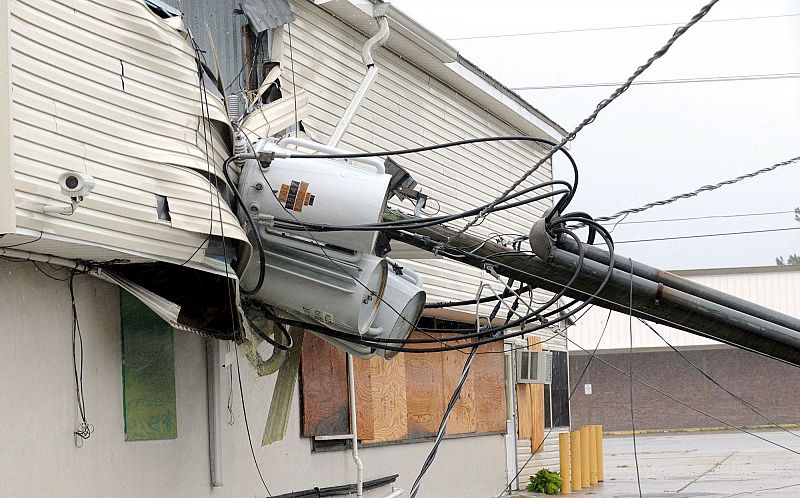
{"x":767,"y":384}
{"x":38,"y":415}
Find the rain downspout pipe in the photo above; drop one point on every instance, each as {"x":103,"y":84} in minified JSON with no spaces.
{"x":351,"y":384}
{"x":372,"y":72}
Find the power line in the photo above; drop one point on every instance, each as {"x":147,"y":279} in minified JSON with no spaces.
{"x":590,"y":118}
{"x":693,"y":193}
{"x":680,"y":237}
{"x":710,"y":79}
{"x":708,"y":217}
{"x":609,"y":28}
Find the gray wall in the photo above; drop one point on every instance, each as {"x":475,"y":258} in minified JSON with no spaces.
{"x":767,"y":384}
{"x":38,"y":415}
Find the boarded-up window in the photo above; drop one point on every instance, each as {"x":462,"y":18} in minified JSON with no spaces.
{"x":402,"y":398}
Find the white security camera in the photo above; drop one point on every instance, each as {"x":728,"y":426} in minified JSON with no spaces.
{"x":75,"y":185}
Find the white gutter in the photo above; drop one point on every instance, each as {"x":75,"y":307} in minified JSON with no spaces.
{"x":351,"y":384}
{"x":372,"y":72}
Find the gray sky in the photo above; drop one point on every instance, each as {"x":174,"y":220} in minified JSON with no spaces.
{"x":660,"y":140}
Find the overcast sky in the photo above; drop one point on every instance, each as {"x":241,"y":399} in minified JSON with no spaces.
{"x":657,"y":140}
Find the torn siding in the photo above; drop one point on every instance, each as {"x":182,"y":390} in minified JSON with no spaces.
{"x":111,"y":90}
{"x":407,"y":107}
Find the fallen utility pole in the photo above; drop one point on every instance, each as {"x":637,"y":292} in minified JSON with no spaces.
{"x":658,"y":296}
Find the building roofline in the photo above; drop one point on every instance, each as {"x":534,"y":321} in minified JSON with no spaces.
{"x":737,"y":270}
{"x":430,"y":52}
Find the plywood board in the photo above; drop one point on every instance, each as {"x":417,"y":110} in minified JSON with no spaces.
{"x":324,"y":387}
{"x":365,"y":418}
{"x":424,"y":391}
{"x":462,"y":419}
{"x":490,"y":395}
{"x":537,"y":405}
{"x":389,"y":398}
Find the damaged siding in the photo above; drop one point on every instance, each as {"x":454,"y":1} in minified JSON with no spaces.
{"x":407,"y":108}
{"x":108,"y":89}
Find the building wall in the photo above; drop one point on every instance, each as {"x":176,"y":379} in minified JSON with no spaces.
{"x":39,"y":457}
{"x":407,"y":107}
{"x":767,"y":384}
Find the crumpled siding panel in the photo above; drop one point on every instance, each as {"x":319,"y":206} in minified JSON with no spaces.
{"x":107,"y":88}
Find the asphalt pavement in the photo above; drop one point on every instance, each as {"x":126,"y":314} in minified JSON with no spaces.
{"x":702,"y":464}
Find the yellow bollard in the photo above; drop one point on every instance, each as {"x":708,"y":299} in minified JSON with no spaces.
{"x":575,"y":460}
{"x":598,"y":435}
{"x":592,"y":455}
{"x":563,"y":460}
{"x":584,"y":434}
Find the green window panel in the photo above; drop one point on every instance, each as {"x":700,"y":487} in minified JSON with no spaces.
{"x":148,"y":373}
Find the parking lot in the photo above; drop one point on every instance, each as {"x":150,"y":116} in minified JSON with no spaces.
{"x":701,"y":464}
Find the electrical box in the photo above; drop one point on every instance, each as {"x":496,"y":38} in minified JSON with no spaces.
{"x":534,"y":367}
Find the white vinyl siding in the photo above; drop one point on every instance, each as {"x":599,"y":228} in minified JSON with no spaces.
{"x":108,"y":89}
{"x":408,"y":108}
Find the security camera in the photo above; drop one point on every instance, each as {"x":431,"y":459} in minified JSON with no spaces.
{"x":75,"y":185}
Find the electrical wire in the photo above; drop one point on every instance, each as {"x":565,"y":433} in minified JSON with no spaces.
{"x":630,"y":381}
{"x":564,"y":408}
{"x":693,"y":193}
{"x":674,"y":81}
{"x":702,"y":372}
{"x":692,"y":218}
{"x":706,"y":235}
{"x":84,"y":429}
{"x":600,"y":106}
{"x":609,"y":28}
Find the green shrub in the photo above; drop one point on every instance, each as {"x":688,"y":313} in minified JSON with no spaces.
{"x":546,"y":482}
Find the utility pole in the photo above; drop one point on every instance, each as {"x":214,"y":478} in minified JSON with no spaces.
{"x":690,"y":307}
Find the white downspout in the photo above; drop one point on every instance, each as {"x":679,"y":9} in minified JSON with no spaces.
{"x":372,"y":72}
{"x":351,"y":384}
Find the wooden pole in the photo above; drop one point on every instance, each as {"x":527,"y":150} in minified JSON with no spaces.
{"x":563,"y":461}
{"x":584,"y":435}
{"x":598,"y":434}
{"x":592,"y":429}
{"x":575,"y":460}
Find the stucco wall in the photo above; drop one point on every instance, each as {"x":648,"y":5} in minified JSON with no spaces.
{"x":38,"y":415}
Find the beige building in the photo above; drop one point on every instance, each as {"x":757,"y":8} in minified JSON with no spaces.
{"x":110,"y":90}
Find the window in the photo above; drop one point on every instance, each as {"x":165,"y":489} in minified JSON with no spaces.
{"x":403,"y":398}
{"x":556,"y":395}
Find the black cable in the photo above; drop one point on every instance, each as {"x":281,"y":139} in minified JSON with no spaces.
{"x":702,"y":372}
{"x":382,"y":343}
{"x":425,"y":222}
{"x":84,"y":429}
{"x":261,"y":258}
{"x":453,"y":399}
{"x":630,"y":383}
{"x":246,"y":422}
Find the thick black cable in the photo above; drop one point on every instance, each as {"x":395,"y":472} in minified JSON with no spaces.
{"x":261,"y":258}
{"x":630,"y":383}
{"x":84,"y":429}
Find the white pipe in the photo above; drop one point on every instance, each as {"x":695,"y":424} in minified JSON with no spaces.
{"x":329,"y":149}
{"x":395,"y":493}
{"x":372,"y":72}
{"x":351,"y":383}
